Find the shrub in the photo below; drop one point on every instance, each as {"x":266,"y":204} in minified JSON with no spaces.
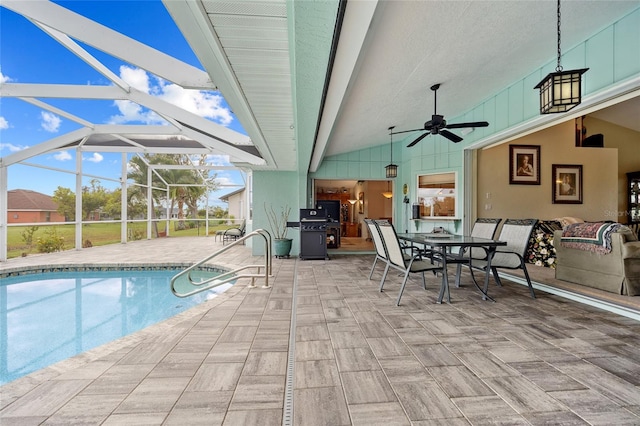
{"x":27,"y":235}
{"x":50,"y":242}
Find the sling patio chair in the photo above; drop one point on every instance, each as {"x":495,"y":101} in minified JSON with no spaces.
{"x":516,"y":233}
{"x":397,"y":260}
{"x":232,"y":233}
{"x":482,"y":228}
{"x":381,"y":253}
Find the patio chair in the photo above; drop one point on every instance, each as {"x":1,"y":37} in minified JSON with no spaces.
{"x":482,"y":228}
{"x":379,"y":245}
{"x":516,"y":233}
{"x":397,"y":260}
{"x":233,"y":233}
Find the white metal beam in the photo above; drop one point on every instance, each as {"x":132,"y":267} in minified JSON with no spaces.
{"x":58,"y":111}
{"x":61,"y":91}
{"x":111,"y":42}
{"x":43,"y":147}
{"x":81,"y":53}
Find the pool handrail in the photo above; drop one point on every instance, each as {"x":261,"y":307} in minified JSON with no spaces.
{"x":229,"y":275}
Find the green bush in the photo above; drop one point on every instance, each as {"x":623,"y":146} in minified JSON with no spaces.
{"x":50,"y":242}
{"x":27,"y":235}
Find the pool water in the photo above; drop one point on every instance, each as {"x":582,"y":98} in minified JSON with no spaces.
{"x":45,"y":318}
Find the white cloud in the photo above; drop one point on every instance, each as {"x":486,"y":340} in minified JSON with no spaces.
{"x":4,"y":124}
{"x":131,"y":112}
{"x":202,"y":103}
{"x":135,"y":77}
{"x":50,"y":121}
{"x":218,"y":160}
{"x":62,"y":156}
{"x":4,"y":78}
{"x":95,"y":158}
{"x":11,"y":147}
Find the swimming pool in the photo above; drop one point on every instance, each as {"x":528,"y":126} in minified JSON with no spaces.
{"x":48,"y":317}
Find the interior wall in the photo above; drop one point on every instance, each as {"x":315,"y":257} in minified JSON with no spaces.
{"x":376,"y":206}
{"x":497,"y":198}
{"x":627,"y":142}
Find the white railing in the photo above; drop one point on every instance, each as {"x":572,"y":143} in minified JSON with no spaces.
{"x":207,"y":284}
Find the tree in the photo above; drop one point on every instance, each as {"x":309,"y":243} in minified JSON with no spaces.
{"x":66,"y":201}
{"x":94,"y":198}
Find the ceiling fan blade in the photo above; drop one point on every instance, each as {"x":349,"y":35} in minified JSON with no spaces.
{"x":463,"y":125}
{"x":408,"y":131}
{"x":451,"y":136}
{"x":418,"y":139}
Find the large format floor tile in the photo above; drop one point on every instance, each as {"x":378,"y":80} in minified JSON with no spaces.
{"x":322,"y":346}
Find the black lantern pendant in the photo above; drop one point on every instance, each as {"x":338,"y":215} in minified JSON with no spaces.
{"x":391,"y":169}
{"x":560,"y":91}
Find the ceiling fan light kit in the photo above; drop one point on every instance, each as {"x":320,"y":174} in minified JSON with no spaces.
{"x":560,"y":91}
{"x":438,"y":125}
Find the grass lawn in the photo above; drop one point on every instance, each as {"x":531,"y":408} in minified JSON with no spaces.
{"x":99,"y":234}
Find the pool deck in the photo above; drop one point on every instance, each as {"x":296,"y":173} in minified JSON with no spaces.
{"x":322,"y":346}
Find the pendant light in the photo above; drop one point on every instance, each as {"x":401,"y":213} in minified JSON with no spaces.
{"x":560,"y":91}
{"x":388,"y":194}
{"x":391,"y":169}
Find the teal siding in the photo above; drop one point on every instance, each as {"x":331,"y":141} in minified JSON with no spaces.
{"x":612,"y":55}
{"x":627,"y":39}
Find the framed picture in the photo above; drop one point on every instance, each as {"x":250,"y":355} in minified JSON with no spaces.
{"x":524,"y":164}
{"x":567,"y":183}
{"x":361,"y":203}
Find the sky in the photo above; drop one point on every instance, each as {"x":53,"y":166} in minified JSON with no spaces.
{"x":29,"y":55}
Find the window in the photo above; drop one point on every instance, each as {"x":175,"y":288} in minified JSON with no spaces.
{"x":437,"y":195}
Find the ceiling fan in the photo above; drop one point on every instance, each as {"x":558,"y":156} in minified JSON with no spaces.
{"x":438,"y":125}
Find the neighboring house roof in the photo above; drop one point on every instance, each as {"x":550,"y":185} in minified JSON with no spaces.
{"x":231,"y":194}
{"x":24,"y":199}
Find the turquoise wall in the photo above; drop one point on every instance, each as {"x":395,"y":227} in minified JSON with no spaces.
{"x":276,"y":189}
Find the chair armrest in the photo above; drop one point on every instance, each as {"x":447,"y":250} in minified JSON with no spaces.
{"x":631,"y":250}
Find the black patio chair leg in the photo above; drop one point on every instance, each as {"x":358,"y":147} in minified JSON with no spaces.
{"x":458,"y":273}
{"x":496,"y":276}
{"x":526,"y":274}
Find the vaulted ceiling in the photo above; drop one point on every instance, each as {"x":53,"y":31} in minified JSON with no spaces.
{"x":300,"y":95}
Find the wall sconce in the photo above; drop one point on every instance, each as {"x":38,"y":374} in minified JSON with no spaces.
{"x":560,"y":91}
{"x":391,"y":170}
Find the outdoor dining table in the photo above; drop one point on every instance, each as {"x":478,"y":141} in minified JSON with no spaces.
{"x":443,"y":243}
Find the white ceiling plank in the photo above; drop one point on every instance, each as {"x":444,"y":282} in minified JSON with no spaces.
{"x":199,"y":32}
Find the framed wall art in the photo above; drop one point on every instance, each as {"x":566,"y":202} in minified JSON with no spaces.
{"x":361,"y":203}
{"x":567,"y":183}
{"x":524,"y":164}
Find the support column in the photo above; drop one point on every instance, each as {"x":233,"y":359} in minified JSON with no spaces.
{"x":123,"y":200}
{"x":3,"y":214}
{"x":78,"y":199}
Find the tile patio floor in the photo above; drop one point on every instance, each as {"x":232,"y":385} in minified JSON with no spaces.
{"x":357,"y":358}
